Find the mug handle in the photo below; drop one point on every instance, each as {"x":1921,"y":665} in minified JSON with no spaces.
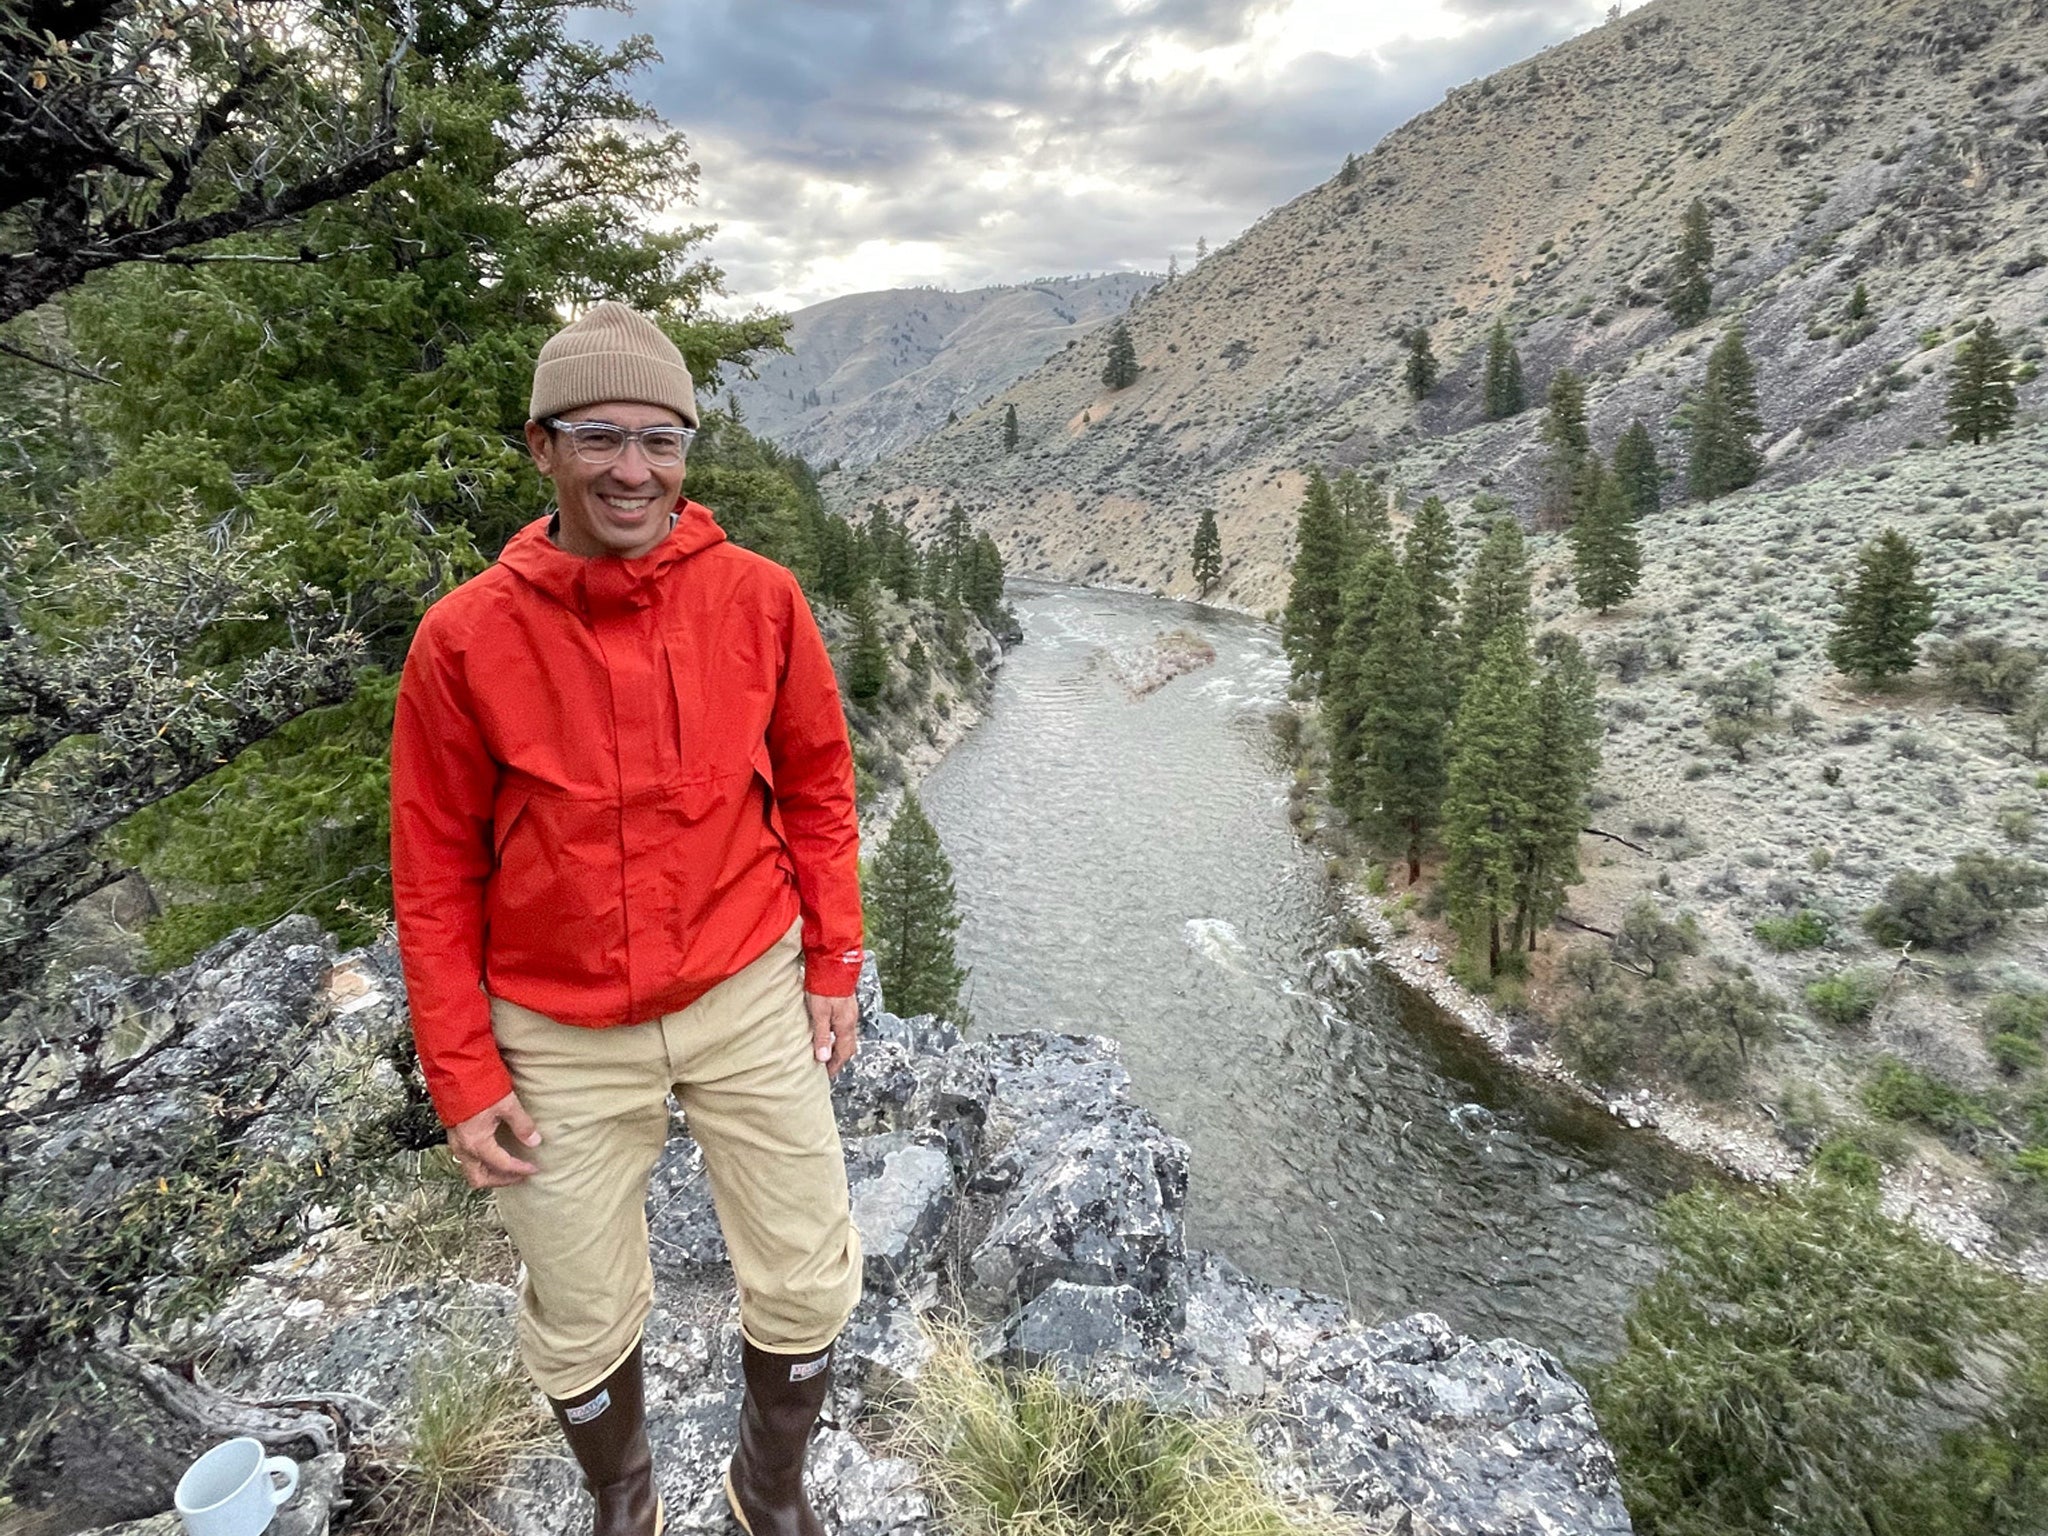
{"x":284,"y":1466}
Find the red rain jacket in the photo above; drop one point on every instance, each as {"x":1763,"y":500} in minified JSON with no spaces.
{"x":613,"y":783}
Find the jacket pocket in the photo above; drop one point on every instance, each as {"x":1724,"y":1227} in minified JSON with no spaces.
{"x":553,"y":904}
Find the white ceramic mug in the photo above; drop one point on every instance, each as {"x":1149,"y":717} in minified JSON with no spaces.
{"x":229,"y":1491}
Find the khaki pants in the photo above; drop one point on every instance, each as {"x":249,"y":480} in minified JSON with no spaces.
{"x":759,"y":1105}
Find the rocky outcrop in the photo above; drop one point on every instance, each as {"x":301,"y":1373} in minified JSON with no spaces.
{"x":1009,"y":1179}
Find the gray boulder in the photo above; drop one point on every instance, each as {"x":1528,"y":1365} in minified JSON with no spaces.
{"x":902,"y":1193}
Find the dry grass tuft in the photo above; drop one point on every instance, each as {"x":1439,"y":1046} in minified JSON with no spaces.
{"x":473,"y":1413}
{"x":1020,"y":1454}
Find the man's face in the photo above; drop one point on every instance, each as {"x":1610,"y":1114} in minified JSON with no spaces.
{"x":620,"y":508}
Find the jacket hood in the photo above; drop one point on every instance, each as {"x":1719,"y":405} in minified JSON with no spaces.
{"x":591,"y":583}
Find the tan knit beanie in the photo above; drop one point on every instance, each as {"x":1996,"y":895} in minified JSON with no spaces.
{"x":611,"y":353}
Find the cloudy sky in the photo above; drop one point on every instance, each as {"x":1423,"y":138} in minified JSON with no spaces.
{"x":848,"y":146}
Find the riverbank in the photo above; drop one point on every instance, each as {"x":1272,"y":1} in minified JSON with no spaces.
{"x":1942,"y":1198}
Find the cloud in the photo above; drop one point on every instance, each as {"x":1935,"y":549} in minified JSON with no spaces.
{"x":961,"y":142}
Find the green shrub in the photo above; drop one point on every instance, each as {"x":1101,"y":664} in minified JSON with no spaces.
{"x":1975,"y":900}
{"x":1845,"y":998}
{"x":1842,"y":1160}
{"x":1779,"y":1369}
{"x":1805,"y":929}
{"x":1987,"y":671}
{"x":1896,"y":1091}
{"x":2015,"y":1013}
{"x":2016,"y":1053}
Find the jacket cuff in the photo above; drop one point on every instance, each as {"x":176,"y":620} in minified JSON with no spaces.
{"x":832,"y":972}
{"x":456,"y":1102}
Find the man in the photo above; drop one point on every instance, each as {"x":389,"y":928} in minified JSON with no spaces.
{"x":624,"y":860}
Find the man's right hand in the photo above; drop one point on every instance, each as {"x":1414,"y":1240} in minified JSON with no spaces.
{"x":484,"y":1159}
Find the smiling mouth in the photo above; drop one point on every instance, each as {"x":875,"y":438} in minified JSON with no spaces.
{"x":627,"y":504}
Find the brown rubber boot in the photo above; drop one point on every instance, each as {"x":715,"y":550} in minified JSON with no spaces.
{"x":606,"y":1428}
{"x":765,"y":1483}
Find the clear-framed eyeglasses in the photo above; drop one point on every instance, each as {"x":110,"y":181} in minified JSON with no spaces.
{"x":601,"y":442}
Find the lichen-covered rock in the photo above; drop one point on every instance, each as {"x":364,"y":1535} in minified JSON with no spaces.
{"x":1470,"y":1438}
{"x":902,"y":1192}
{"x":682,"y":1222}
{"x":1099,"y":1204}
{"x":1080,"y":1326}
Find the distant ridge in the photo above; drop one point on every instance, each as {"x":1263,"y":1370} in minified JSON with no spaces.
{"x":871,"y":373}
{"x":1902,"y":143}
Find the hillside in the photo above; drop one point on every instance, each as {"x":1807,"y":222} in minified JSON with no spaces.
{"x":871,"y":373}
{"x":1902,"y":142}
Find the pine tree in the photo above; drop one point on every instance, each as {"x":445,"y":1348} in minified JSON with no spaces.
{"x":1315,"y":596}
{"x":1422,"y":367}
{"x":1503,"y":390}
{"x":1348,"y":172}
{"x":1885,"y":611}
{"x":867,"y":671}
{"x":1362,"y":504}
{"x":1402,"y":726}
{"x":1564,"y":433}
{"x":1010,"y":428}
{"x":1486,"y":804}
{"x":1607,"y":558}
{"x":1636,"y":467}
{"x":1429,"y":554}
{"x":910,"y":913}
{"x":1564,"y":755}
{"x":1208,"y":551}
{"x":1859,"y":302}
{"x":1344,"y":694}
{"x":1725,"y":422}
{"x":1691,"y":294}
{"x":1120,"y":371}
{"x":1496,"y":595}
{"x":981,"y":584}
{"x":1982,"y":400}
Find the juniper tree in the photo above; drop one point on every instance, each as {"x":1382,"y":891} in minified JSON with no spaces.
{"x":1636,"y":467}
{"x":1429,"y":554}
{"x":1859,"y":302}
{"x":1564,"y":755}
{"x":408,"y":225}
{"x":1982,"y":399}
{"x":1421,"y":372}
{"x":1486,"y":794}
{"x":1691,"y":292}
{"x":1403,"y":724}
{"x":1345,"y":697}
{"x":1503,"y":390}
{"x":1496,"y":595}
{"x":1724,"y":422}
{"x":1567,"y":444}
{"x":1010,"y":427}
{"x":1885,"y":611}
{"x":1607,"y":558}
{"x":1315,"y":596}
{"x":910,"y":913}
{"x":1120,"y":369}
{"x":1208,"y":551}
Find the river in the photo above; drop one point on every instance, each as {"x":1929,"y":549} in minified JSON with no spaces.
{"x":1125,"y":867}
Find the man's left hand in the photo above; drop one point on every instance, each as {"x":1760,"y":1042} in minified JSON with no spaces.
{"x":835,"y":1029}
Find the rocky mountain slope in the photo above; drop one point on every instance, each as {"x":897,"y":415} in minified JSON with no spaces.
{"x":1899,"y":142}
{"x":870,"y":373}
